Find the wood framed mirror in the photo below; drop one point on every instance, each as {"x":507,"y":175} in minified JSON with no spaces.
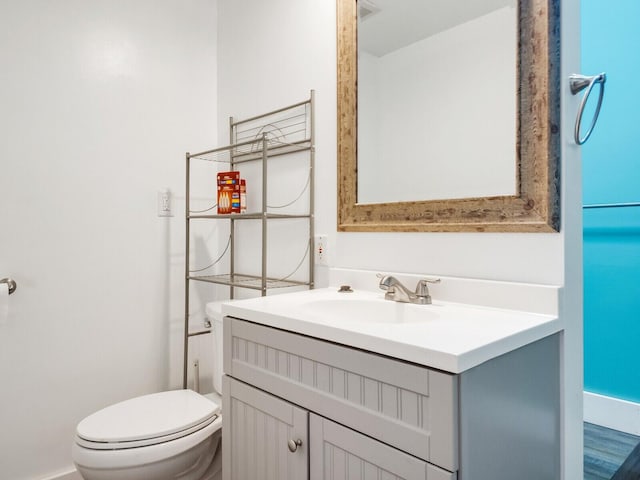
{"x":535,"y":206}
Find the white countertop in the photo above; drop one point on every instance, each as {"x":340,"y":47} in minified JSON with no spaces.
{"x":447,"y":336}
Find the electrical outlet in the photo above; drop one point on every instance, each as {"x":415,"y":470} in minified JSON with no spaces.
{"x":164,"y":203}
{"x":320,"y":250}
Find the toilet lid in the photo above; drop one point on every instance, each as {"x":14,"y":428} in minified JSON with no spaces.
{"x":148,"y":417}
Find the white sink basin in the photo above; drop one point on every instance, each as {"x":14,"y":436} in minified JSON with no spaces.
{"x":447,"y":336}
{"x":374,"y":310}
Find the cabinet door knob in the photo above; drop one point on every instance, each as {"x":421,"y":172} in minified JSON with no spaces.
{"x":294,"y":444}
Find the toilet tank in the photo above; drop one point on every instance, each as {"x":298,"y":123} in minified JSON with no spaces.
{"x":214,"y":314}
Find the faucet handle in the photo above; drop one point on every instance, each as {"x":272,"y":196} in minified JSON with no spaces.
{"x":422,"y":288}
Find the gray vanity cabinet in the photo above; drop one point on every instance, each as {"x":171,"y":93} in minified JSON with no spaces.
{"x":410,"y":411}
{"x":361,"y":415}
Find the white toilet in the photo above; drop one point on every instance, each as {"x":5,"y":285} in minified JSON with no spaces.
{"x":171,"y":435}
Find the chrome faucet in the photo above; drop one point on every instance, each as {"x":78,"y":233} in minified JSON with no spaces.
{"x":397,"y":292}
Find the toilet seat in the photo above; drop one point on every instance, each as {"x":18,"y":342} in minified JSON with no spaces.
{"x":147,"y":420}
{"x":143,"y":442}
{"x":111,"y":461}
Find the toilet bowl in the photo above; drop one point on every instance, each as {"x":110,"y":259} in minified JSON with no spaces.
{"x":172,"y":435}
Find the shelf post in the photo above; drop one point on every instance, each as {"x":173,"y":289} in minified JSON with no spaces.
{"x":264,"y":214}
{"x":232,"y":223}
{"x":186,"y":275}
{"x":312,"y":158}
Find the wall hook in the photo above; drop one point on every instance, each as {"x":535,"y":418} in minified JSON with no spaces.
{"x":577,"y":83}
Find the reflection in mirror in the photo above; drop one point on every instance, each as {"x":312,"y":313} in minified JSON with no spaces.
{"x":528,"y":200}
{"x":430,"y":74}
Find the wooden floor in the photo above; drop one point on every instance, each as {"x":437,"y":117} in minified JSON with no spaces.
{"x":606,"y":450}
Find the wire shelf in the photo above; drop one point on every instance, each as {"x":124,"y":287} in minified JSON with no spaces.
{"x":252,"y":150}
{"x":251,"y":216}
{"x":248,"y":281}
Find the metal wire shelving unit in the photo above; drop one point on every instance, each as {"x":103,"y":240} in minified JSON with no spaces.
{"x":257,"y":139}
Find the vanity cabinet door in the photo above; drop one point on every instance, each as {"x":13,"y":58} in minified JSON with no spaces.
{"x":339,"y":453}
{"x":257,"y":430}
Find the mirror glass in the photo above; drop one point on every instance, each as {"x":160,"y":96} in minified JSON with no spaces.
{"x":437,"y":98}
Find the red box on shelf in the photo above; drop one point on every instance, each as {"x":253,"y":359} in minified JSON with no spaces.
{"x":228,"y":192}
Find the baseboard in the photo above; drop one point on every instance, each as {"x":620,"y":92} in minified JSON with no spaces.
{"x":612,"y":413}
{"x":70,"y":475}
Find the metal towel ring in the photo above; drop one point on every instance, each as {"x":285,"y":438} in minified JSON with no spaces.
{"x":577,"y":83}
{"x":10,"y":283}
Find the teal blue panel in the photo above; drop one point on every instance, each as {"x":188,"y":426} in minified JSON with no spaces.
{"x":611,"y":174}
{"x":611,"y":157}
{"x":612,"y":302}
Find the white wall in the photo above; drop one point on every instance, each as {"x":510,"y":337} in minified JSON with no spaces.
{"x":571,"y":299}
{"x":272,"y":53}
{"x":100,"y":100}
{"x":422,"y":129}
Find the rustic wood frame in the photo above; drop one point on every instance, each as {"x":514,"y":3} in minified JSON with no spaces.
{"x":536,"y":205}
